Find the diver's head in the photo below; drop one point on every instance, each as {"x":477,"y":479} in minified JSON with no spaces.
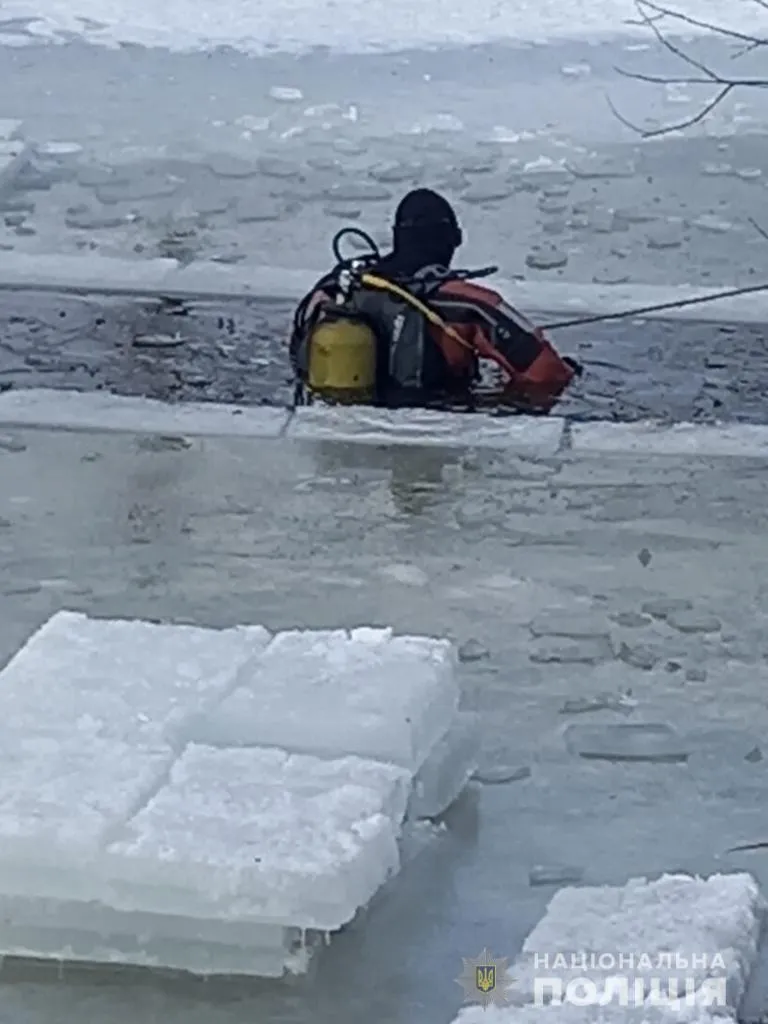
{"x":426,"y":223}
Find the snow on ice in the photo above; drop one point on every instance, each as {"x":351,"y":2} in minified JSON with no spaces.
{"x":392,"y":697}
{"x":125,"y":840}
{"x":702,"y":932}
{"x":571,"y":1014}
{"x":261,"y":835}
{"x":253,"y":26}
{"x":691,"y":916}
{"x":119,"y":680}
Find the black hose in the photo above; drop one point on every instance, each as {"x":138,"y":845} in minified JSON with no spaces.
{"x":341,"y":261}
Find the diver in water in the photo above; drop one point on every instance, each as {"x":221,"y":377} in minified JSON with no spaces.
{"x":425,"y":234}
{"x":434,"y":326}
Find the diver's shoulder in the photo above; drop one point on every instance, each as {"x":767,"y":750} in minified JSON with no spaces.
{"x":460,"y":288}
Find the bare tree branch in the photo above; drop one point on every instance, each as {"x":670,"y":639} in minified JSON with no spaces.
{"x":651,"y":15}
{"x":747,"y":846}
{"x":652,"y":24}
{"x":760,"y":230}
{"x":754,"y":45}
{"x":720,"y":30}
{"x":746,"y":83}
{"x":676,"y":126}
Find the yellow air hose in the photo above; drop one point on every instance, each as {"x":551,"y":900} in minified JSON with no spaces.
{"x":388,"y":286}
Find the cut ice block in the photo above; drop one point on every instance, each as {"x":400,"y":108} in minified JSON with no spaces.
{"x":70,"y":915}
{"x":122,"y":680}
{"x":191,"y":955}
{"x":94,"y":933}
{"x":366,"y":692}
{"x":450,"y":765}
{"x":695,"y":918}
{"x":60,"y":795}
{"x":643,"y":741}
{"x":258,"y":835}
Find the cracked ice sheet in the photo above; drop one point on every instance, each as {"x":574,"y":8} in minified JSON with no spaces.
{"x":677,"y":914}
{"x":264,"y":836}
{"x":391,"y":697}
{"x":120,"y":680}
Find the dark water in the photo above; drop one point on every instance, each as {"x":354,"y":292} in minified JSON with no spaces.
{"x":681,"y":370}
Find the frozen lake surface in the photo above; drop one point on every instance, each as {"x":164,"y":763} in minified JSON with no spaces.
{"x":223,"y":156}
{"x":589,"y":590}
{"x":348,"y":26}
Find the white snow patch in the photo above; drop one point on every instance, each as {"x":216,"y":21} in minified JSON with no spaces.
{"x":55,"y":149}
{"x":696,"y":919}
{"x":129,"y":681}
{"x":285,"y":94}
{"x":263,"y":835}
{"x":568,"y":1013}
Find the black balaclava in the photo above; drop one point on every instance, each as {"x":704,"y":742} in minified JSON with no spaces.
{"x":426,"y":232}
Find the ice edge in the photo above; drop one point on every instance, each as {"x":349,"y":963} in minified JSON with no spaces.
{"x":80,"y":411}
{"x":211,"y":280}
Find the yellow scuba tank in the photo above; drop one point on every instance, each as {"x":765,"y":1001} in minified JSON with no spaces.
{"x":341,"y":360}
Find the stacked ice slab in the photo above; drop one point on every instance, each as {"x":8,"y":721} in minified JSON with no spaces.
{"x":619,"y":954}
{"x":198,"y":799}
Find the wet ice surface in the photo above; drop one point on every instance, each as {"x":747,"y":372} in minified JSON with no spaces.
{"x":505,"y":555}
{"x":263,"y":160}
{"x":235,"y":352}
{"x":214,"y":156}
